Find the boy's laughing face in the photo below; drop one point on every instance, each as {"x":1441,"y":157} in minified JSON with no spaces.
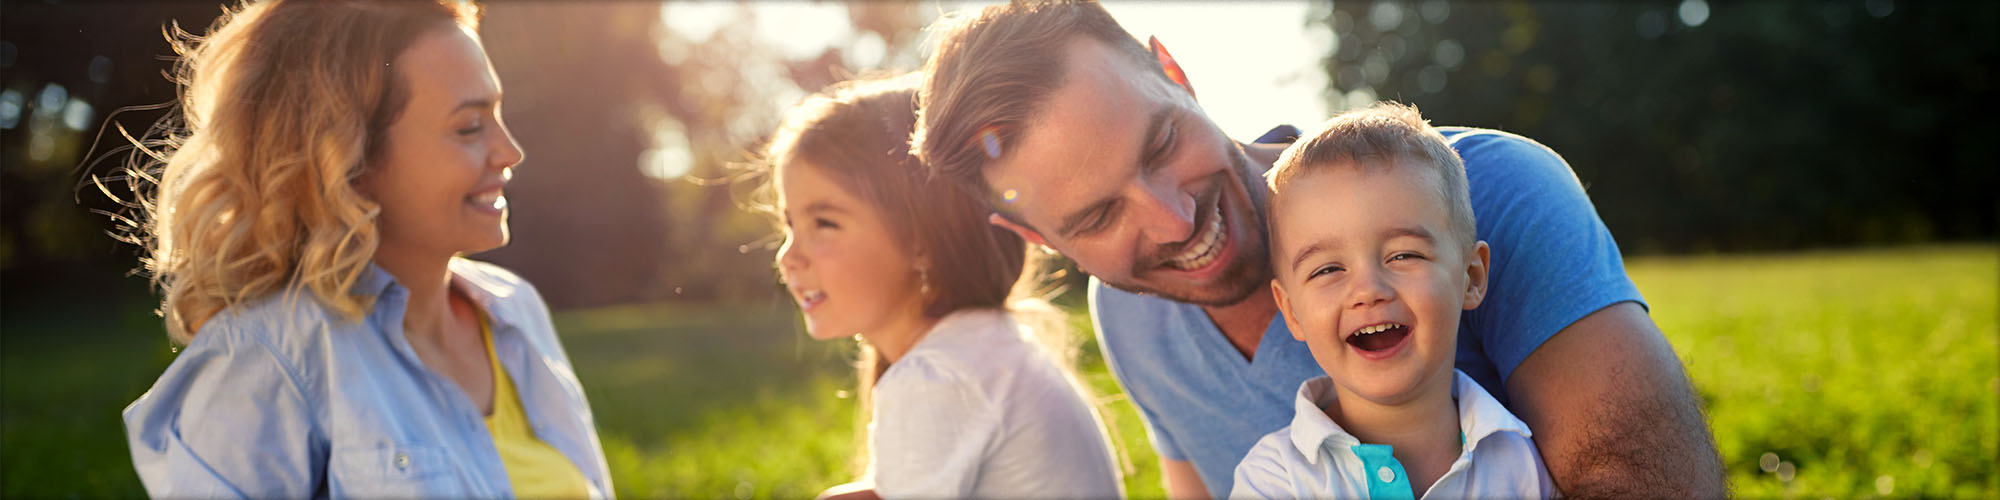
{"x":1371,"y":276}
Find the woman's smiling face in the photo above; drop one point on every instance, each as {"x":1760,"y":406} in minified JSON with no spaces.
{"x":446,"y":158}
{"x":846,"y":268}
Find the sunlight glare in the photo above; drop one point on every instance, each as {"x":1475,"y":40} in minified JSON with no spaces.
{"x":1255,"y":65}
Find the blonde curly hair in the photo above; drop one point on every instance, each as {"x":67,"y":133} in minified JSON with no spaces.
{"x":248,"y":191}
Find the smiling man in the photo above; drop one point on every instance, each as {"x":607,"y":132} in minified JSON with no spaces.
{"x":1087,"y":143}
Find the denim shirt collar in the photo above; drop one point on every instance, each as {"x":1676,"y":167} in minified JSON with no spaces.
{"x":392,"y":298}
{"x":361,"y":379}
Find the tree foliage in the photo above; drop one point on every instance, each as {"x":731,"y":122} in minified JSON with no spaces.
{"x":1712,"y":126}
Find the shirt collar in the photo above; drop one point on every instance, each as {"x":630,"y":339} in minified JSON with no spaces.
{"x":375,"y":281}
{"x":968,"y":321}
{"x":970,"y":317}
{"x":1478,"y":416}
{"x":484,"y":289}
{"x":1310,"y":425}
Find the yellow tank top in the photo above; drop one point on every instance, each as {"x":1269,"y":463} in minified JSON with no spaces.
{"x":536,"y":469}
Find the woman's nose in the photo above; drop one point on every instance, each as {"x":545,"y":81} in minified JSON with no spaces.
{"x":507,"y":153}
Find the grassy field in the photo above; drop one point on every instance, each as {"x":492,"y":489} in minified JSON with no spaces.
{"x":1837,"y":374}
{"x":1846,"y":374}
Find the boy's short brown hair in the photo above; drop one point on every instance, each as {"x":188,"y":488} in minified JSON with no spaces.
{"x":992,"y":71}
{"x":1377,"y":137}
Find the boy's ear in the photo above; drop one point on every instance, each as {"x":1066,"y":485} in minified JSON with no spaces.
{"x":1476,"y":266}
{"x":1167,"y":64}
{"x":1025,"y":232}
{"x":1285,"y":311}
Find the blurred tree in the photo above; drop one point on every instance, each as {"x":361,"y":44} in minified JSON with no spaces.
{"x":628,"y":127}
{"x":588,"y":228}
{"x":56,"y":88}
{"x":1702,"y":127}
{"x":637,"y":126}
{"x":1695,"y":126}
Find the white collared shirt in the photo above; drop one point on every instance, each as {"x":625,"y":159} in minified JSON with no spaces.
{"x":977,"y":410}
{"x":1315,"y":458}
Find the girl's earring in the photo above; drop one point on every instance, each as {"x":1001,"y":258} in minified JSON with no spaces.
{"x":924,"y":277}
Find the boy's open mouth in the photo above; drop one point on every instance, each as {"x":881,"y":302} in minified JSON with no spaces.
{"x":1378,"y":337}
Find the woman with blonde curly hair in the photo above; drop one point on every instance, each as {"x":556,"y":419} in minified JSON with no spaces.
{"x":334,"y":160}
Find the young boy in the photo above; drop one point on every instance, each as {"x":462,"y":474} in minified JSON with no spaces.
{"x":1375,"y":256}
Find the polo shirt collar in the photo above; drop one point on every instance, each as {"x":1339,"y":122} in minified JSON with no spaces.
{"x":1311,"y":428}
{"x":1479,"y":416}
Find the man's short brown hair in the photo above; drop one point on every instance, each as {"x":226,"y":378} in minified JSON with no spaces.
{"x":992,"y":71}
{"x":1381,"y":136}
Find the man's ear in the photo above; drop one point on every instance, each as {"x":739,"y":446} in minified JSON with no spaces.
{"x":1285,"y":311}
{"x":1025,"y":232}
{"x":1476,"y":266}
{"x":1167,"y":64}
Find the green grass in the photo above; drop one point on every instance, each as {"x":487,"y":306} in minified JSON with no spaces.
{"x":1846,"y":367}
{"x":706,"y":402}
{"x":66,"y":371}
{"x":1863,"y":373}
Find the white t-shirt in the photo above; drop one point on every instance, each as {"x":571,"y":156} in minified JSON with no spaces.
{"x":976,"y":409}
{"x":1315,"y":458}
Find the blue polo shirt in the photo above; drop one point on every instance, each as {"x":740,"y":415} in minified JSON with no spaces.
{"x":1553,"y":263}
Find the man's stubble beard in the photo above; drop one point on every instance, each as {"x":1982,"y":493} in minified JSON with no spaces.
{"x":1249,"y":270}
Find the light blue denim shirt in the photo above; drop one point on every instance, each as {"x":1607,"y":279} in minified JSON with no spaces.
{"x":285,"y":398}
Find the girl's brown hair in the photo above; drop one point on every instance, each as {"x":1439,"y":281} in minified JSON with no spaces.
{"x":857,"y":132}
{"x":248,"y":192}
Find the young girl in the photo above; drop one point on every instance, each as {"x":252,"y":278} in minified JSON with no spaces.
{"x":336,"y":159}
{"x":965,"y":404}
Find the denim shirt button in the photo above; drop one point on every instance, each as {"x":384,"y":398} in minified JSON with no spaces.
{"x":402,"y":461}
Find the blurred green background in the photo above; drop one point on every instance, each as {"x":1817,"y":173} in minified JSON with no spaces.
{"x":1801,"y":189}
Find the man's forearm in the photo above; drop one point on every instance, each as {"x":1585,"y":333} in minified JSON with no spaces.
{"x":1614,"y":413}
